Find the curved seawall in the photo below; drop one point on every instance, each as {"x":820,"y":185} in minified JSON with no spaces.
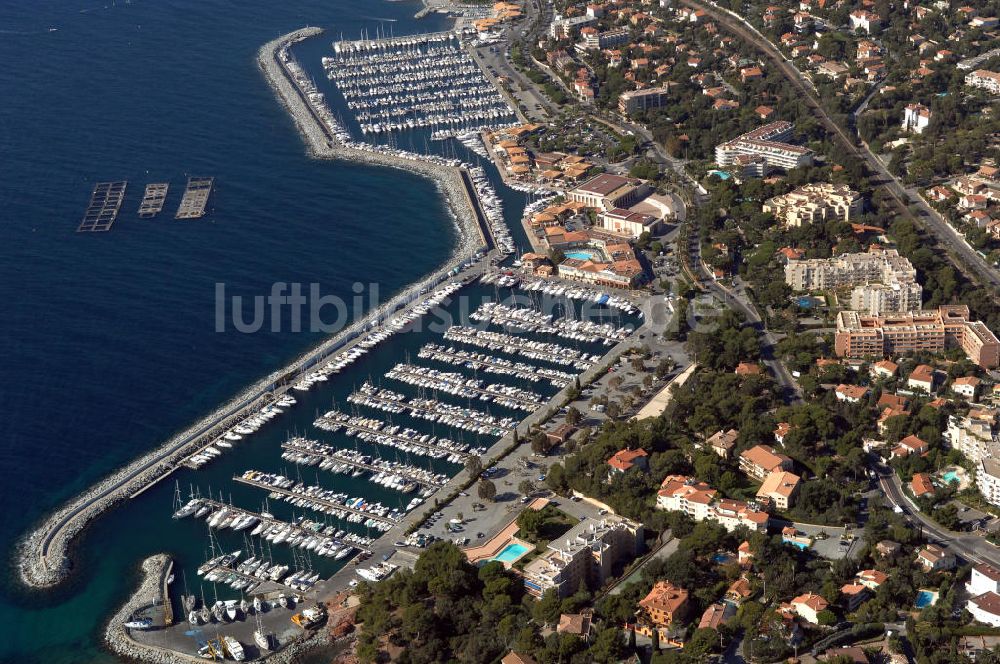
{"x":43,"y":558}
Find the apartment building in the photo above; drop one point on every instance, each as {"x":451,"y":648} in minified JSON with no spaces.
{"x":587,"y":552}
{"x":985,"y":80}
{"x":817,"y":202}
{"x":699,"y":501}
{"x":636,"y":101}
{"x":760,"y":460}
{"x":973,"y":435}
{"x":766,"y":143}
{"x":564,"y":27}
{"x":861,"y":336}
{"x":988,"y":480}
{"x":780,"y":489}
{"x":884,"y":281}
{"x":593,"y":41}
{"x":882,"y":299}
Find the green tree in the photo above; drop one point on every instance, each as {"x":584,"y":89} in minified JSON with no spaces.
{"x":487,"y":490}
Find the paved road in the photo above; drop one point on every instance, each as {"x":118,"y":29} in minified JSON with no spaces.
{"x":970,"y":547}
{"x":737,"y":299}
{"x":962,"y":254}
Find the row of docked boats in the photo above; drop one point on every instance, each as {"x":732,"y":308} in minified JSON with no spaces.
{"x":514,"y":345}
{"x":530,"y":319}
{"x":395,"y":89}
{"x":397,"y":475}
{"x":245,"y":427}
{"x":458,"y":385}
{"x":375,"y":431}
{"x":581,"y":293}
{"x":432,"y":410}
{"x":492,"y":208}
{"x":327,"y":501}
{"x":492,"y":364}
{"x":321,"y":538}
{"x":411,"y":41}
{"x":502,"y":278}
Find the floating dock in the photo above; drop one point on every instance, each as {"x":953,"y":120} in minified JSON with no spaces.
{"x":374,"y":434}
{"x":330,"y":505}
{"x":271,"y":521}
{"x":195,"y":198}
{"x":105,"y":201}
{"x":153,"y":199}
{"x":316,"y":449}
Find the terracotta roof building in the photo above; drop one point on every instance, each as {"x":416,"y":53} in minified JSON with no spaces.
{"x":760,"y":460}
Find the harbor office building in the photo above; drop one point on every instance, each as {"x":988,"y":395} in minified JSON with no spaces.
{"x":588,"y":552}
{"x":861,"y":336}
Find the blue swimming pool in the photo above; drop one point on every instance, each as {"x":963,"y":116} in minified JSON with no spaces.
{"x":951,"y":476}
{"x":722,"y":175}
{"x":925,"y":598}
{"x":580,"y":255}
{"x":802,"y":546}
{"x":806,"y":302}
{"x":511,"y":552}
{"x":721,"y":558}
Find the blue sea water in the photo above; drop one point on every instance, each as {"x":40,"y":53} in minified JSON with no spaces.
{"x":109,"y":341}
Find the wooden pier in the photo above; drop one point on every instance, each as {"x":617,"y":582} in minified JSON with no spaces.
{"x":271,"y":521}
{"x":195,"y":198}
{"x":326,"y":452}
{"x":399,"y":439}
{"x":314,"y":499}
{"x":153,"y":199}
{"x":105,"y":202}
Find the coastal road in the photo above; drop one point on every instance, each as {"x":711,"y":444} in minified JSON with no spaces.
{"x":961,"y":253}
{"x":973,"y":548}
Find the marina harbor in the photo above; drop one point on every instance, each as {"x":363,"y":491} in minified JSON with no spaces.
{"x":319,"y":467}
{"x":430,"y":81}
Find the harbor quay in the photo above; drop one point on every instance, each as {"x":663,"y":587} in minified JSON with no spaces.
{"x":43,"y":554}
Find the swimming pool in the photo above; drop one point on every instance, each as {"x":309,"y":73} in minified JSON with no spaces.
{"x":721,"y":558}
{"x":925,"y":598}
{"x":722,"y":175}
{"x":511,"y":552}
{"x":579,"y":255}
{"x":951,"y":476}
{"x":806,"y":302}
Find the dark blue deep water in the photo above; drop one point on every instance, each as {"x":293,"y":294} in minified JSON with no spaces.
{"x":108,"y":340}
